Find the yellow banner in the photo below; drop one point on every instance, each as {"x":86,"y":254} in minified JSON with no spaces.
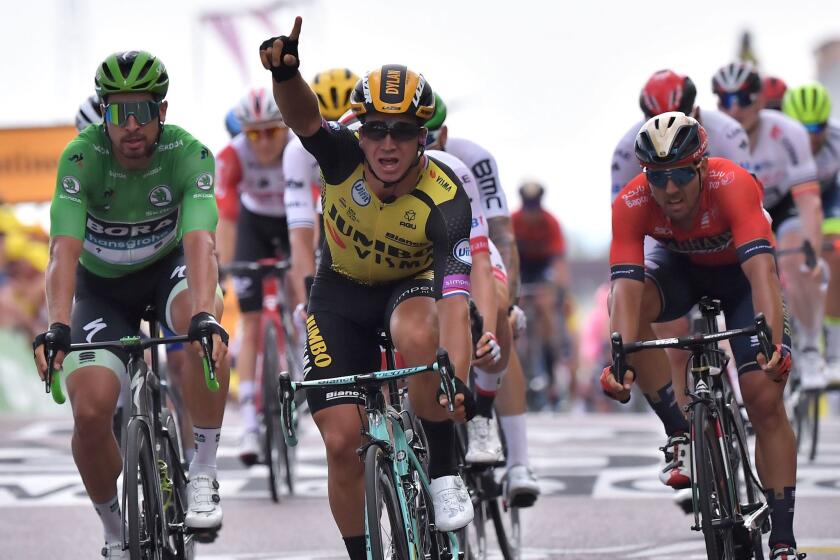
{"x":29,"y":160}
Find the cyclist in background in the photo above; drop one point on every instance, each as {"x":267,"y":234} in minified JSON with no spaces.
{"x":252,"y":226}
{"x":773,"y":90}
{"x":811,"y":105}
{"x":134,"y":205}
{"x":232,"y":124}
{"x":543,"y":269}
{"x":714,"y":240}
{"x":90,"y":112}
{"x":781,"y":158}
{"x":376,"y":271}
{"x":521,"y":484}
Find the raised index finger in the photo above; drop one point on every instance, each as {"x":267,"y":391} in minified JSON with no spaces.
{"x":296,"y":28}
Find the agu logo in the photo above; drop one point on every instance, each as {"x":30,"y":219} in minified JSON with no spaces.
{"x":360,"y":194}
{"x":71,"y":185}
{"x":462,"y":251}
{"x":160,"y":196}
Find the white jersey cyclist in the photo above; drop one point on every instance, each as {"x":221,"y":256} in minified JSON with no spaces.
{"x":828,"y":158}
{"x":242,"y":178}
{"x":302,"y":174}
{"x":782,"y":160}
{"x":727,"y":139}
{"x":479,"y":233}
{"x":483,"y":166}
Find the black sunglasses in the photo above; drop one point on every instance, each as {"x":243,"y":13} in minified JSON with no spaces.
{"x":681,"y":176}
{"x":400,"y":131}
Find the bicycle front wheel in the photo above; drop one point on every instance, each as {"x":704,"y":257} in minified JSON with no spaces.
{"x":276,"y":450}
{"x":173,"y":485}
{"x":712,"y":481}
{"x":383,"y":516}
{"x":142,"y":495}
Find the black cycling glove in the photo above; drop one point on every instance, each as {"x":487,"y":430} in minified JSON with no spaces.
{"x":58,"y":335}
{"x":283,"y":72}
{"x":204,"y":325}
{"x":462,"y":389}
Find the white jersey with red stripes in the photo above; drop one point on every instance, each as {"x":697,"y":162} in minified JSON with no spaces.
{"x":240,"y":177}
{"x":727,"y":139}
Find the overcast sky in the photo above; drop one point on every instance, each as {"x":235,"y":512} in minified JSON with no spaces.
{"x":548,"y":89}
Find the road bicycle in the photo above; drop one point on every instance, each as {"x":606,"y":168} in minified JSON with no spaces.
{"x":728,"y":501}
{"x":399,"y":511}
{"x":276,"y":352}
{"x":154,"y":492}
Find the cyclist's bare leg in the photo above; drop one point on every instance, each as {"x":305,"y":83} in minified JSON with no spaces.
{"x":206,"y":408}
{"x":677,"y":358}
{"x":245,"y":367}
{"x":804,"y":290}
{"x":510,"y":400}
{"x":340,"y":427}
{"x":176,"y":362}
{"x":832,"y":305}
{"x":93,"y":392}
{"x":775,"y":449}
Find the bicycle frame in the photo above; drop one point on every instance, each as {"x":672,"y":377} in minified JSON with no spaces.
{"x":385,"y":429}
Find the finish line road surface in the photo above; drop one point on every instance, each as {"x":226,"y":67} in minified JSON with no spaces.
{"x":601,"y":496}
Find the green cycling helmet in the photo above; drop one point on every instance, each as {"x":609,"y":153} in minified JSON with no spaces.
{"x":439,"y":117}
{"x":809,"y":104}
{"x":132,"y":72}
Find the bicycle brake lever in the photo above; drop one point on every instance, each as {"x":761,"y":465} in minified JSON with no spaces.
{"x":810,"y":255}
{"x":618,"y":358}
{"x":209,"y":369}
{"x":764,"y":334}
{"x":287,"y":406}
{"x":446,"y":375}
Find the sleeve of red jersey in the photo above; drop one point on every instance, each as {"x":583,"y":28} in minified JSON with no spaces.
{"x":228,"y":177}
{"x":740,"y":203}
{"x":627,"y":249}
{"x":558,"y":241}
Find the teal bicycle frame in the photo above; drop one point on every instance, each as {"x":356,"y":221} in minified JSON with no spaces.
{"x":386,"y":429}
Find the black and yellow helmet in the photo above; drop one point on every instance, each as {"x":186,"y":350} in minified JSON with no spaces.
{"x":333,"y":88}
{"x":393,"y":90}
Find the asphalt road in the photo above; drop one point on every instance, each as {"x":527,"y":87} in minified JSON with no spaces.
{"x":601,"y":498}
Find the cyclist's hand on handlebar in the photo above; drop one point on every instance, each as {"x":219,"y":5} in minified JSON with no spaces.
{"x":613,"y":389}
{"x":205,"y":325}
{"x":487,"y":351}
{"x":464,"y":402}
{"x":57,"y":336}
{"x":280,"y":54}
{"x":778,"y":368}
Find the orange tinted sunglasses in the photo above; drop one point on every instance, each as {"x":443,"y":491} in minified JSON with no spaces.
{"x":268,"y":133}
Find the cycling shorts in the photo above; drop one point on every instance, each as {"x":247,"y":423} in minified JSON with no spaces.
{"x":257,"y":237}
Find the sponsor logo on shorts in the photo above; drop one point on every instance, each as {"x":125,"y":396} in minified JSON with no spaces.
{"x":316,"y":344}
{"x":332,"y":395}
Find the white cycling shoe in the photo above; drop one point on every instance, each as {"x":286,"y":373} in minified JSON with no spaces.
{"x":483,"y":442}
{"x":811,"y":368}
{"x":453,"y":506}
{"x":521,"y":486}
{"x":249,"y":448}
{"x":204,"y":510}
{"x":114,"y":551}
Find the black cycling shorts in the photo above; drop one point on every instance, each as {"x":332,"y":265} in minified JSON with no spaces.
{"x":342,"y":329}
{"x":111,"y":308}
{"x":257,"y":237}
{"x":681,"y":284}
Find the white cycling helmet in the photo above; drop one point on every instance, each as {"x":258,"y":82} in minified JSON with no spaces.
{"x":736,"y":77}
{"x":258,"y":107}
{"x":671,"y":139}
{"x":90,"y":112}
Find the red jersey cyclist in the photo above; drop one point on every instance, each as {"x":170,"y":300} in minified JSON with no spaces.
{"x":714,"y":240}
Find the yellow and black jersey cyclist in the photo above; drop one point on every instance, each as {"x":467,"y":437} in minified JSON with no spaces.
{"x":397,"y":229}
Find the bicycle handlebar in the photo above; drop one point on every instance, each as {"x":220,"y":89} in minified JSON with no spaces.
{"x":808,"y":250}
{"x":129,"y":344}
{"x":693,"y":342}
{"x":288,"y":388}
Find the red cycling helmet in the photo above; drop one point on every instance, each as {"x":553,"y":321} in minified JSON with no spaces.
{"x":667,"y":91}
{"x":773,"y":89}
